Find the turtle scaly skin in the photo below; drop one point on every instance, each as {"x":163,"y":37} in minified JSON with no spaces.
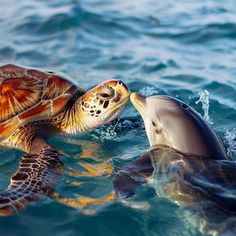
{"x":35,"y":105}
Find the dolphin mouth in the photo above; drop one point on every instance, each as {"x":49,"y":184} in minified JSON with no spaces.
{"x":139,"y":103}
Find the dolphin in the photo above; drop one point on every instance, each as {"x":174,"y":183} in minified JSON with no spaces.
{"x":189,"y":160}
{"x":171,"y":122}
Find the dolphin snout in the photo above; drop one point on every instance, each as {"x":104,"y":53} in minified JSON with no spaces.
{"x":139,"y":102}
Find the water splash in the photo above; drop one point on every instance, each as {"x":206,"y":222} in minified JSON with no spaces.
{"x":119,"y":131}
{"x":230,"y":136}
{"x":148,"y":91}
{"x":204,"y":99}
{"x":105,"y":133}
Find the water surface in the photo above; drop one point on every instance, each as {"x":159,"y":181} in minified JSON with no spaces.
{"x":178,"y":48}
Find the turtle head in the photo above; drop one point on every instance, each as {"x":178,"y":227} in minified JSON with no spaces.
{"x":103,"y":103}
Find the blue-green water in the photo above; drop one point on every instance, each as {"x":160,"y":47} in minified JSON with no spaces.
{"x":179,"y":48}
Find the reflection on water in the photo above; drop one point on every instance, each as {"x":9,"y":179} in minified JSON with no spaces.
{"x":205,"y":187}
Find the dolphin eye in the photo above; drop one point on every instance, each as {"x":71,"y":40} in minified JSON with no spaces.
{"x":158,"y":131}
{"x":184,"y":106}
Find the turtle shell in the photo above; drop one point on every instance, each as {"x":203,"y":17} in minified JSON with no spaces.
{"x":28,"y":95}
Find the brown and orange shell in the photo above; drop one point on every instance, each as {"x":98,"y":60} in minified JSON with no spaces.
{"x":27,"y":95}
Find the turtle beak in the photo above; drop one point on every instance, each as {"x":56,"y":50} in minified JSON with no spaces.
{"x":139,"y":103}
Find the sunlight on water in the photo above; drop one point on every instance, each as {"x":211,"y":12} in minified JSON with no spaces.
{"x":142,"y":206}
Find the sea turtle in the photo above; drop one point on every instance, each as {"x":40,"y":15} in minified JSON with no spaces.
{"x":35,"y":104}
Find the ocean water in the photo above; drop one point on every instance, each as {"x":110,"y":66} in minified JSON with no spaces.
{"x":184,"y":49}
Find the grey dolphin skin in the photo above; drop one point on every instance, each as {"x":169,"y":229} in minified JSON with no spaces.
{"x":191,"y":160}
{"x":171,"y":122}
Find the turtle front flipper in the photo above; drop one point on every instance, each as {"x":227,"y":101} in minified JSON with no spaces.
{"x":35,"y":177}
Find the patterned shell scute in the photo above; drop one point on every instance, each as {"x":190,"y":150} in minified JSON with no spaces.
{"x":31,"y":94}
{"x":54,"y":82}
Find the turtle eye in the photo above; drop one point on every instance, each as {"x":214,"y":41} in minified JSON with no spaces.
{"x":106,"y":93}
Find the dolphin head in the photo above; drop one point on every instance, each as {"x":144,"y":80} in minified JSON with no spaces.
{"x":171,"y":122}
